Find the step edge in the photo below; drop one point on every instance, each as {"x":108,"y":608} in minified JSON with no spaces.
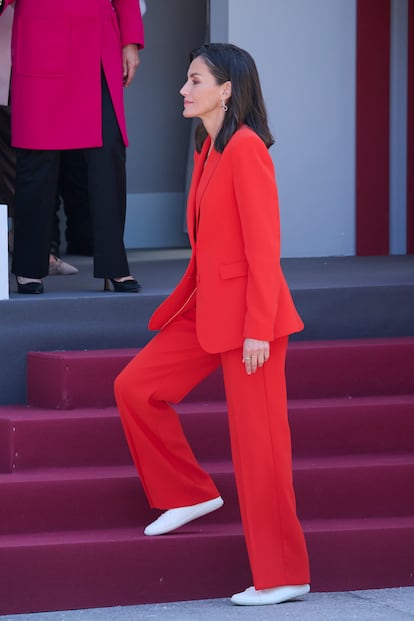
{"x":215,"y":467}
{"x":29,"y":413}
{"x":206,"y":530}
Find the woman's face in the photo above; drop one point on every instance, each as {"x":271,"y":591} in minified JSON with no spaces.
{"x":202,"y":95}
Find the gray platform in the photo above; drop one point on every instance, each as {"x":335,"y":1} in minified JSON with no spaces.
{"x":377,"y":605}
{"x":347,"y":297}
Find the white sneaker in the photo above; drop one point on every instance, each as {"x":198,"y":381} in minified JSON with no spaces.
{"x":174,"y":518}
{"x":251,"y":597}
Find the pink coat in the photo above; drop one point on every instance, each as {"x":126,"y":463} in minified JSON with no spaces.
{"x":58,"y":48}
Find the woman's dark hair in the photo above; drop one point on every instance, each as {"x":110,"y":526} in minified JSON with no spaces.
{"x":228,"y":62}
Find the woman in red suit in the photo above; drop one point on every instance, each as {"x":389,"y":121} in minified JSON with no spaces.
{"x":231,"y":308}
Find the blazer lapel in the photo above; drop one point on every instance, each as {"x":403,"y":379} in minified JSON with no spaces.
{"x":206,"y":176}
{"x":192,"y":201}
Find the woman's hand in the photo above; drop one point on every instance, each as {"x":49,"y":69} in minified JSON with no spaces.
{"x":130,"y":62}
{"x":255,"y":354}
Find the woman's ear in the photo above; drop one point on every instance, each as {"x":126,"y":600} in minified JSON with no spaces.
{"x":227,"y":90}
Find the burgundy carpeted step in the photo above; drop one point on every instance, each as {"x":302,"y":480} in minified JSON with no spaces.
{"x":80,"y":498}
{"x":351,"y":368}
{"x":375,"y":553}
{"x":345,"y":426}
{"x":69,"y":379}
{"x":357,"y":486}
{"x":93,"y":437}
{"x":69,"y":438}
{"x":57,"y":571}
{"x":6,"y":443}
{"x":315,"y":369}
{"x":351,"y":411}
{"x":120,"y":567}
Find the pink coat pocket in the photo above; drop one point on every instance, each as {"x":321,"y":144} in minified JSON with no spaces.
{"x":43,"y":47}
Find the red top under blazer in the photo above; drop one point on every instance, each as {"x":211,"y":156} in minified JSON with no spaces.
{"x":234,"y":274}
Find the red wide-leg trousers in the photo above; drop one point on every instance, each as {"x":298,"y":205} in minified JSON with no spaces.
{"x":163,"y":373}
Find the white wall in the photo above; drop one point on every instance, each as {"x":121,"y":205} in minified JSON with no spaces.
{"x":305,"y":51}
{"x":4,"y":262}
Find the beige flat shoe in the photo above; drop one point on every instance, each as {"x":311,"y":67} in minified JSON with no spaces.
{"x":57,"y":267}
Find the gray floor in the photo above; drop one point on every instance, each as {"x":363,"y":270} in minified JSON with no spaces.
{"x":376,"y":605}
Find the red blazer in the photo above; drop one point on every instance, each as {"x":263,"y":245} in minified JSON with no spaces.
{"x":234,"y":275}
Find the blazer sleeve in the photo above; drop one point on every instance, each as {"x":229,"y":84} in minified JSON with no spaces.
{"x":257,"y":202}
{"x":130,"y":22}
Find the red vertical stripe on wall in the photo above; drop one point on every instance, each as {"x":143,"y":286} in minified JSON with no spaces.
{"x":410,"y":131}
{"x":372,"y":126}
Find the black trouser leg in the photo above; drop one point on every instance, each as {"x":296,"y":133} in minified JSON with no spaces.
{"x":73,"y":187}
{"x":55,"y":239}
{"x":107,"y":195}
{"x":36,"y":186}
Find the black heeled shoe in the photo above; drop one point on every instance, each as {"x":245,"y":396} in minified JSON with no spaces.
{"x":122,"y":286}
{"x":30,"y":288}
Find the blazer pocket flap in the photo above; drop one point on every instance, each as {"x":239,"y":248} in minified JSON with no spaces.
{"x":236,"y":269}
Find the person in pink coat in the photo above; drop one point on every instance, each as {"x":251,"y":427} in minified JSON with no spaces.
{"x":70,"y":64}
